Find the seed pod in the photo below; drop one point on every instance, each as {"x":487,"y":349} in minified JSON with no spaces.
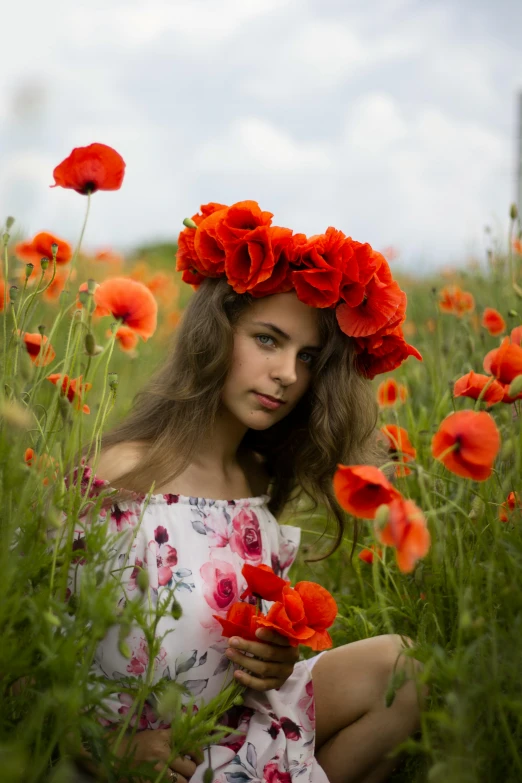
{"x":176,"y":610}
{"x":189,"y":223}
{"x":9,"y":223}
{"x":28,"y":270}
{"x":13,"y":293}
{"x":208,"y":775}
{"x":513,"y":212}
{"x":142,"y":580}
{"x":44,"y":263}
{"x":90,"y":344}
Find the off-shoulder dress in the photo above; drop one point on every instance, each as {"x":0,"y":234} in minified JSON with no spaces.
{"x":201,"y":545}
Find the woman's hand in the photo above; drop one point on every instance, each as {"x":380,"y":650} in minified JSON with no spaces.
{"x":272,"y":665}
{"x":154,"y":745}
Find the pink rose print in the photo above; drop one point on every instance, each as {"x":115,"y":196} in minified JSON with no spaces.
{"x":217,"y":529}
{"x":306,"y":707}
{"x":166,"y":556}
{"x":285,"y":557}
{"x":271,"y":774}
{"x":220,"y":588}
{"x":246,"y":538}
{"x":140,"y":658}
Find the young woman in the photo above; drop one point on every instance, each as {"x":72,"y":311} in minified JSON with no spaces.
{"x":262,"y":397}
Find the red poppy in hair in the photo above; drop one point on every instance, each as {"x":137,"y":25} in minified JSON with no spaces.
{"x":91,"y":168}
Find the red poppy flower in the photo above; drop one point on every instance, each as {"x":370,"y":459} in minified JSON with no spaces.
{"x":39,"y":349}
{"x":361,"y":489}
{"x":40,"y":247}
{"x":367,"y":555}
{"x":456,"y":301}
{"x":400,"y":446}
{"x":471,"y":385}
{"x":91,"y":168}
{"x":131,"y":301}
{"x":288,"y":618}
{"x":3,"y":294}
{"x":389,"y":391}
{"x":240,"y":220}
{"x":476,"y":440}
{"x":506,"y":509}
{"x":283,"y":249}
{"x":72,"y":388}
{"x":383,"y":354}
{"x":405,"y":530}
{"x":321,"y":259}
{"x":187,"y":260}
{"x":358,"y":271}
{"x":320,"y":611}
{"x":43,"y":463}
{"x":505,"y":363}
{"x":126,"y":337}
{"x":249,"y":261}
{"x":493,"y":321}
{"x":210,"y":250}
{"x":381,"y":310}
{"x":241,"y":620}
{"x":262,"y":582}
{"x":516,"y":335}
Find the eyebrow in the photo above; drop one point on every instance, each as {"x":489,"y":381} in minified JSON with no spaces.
{"x":286,"y":336}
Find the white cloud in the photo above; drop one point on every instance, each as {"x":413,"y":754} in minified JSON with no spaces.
{"x":254,"y":144}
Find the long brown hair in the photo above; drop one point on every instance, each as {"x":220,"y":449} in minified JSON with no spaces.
{"x":334,"y":422}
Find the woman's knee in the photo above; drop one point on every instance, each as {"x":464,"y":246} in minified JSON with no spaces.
{"x":400,"y":673}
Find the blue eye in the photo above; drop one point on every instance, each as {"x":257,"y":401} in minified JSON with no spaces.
{"x":260,"y":336}
{"x":311,"y":358}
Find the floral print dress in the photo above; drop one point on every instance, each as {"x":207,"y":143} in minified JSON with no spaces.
{"x":201,"y":545}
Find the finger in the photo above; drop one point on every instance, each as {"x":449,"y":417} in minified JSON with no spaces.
{"x":269,"y":652}
{"x":169,"y":775}
{"x":183,"y":766}
{"x":197,"y":756}
{"x":272,"y":637}
{"x":262,"y":669}
{"x":257,"y":684}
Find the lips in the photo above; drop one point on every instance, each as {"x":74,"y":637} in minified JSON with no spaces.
{"x":269,"y":397}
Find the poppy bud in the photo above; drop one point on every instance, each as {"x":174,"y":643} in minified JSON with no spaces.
{"x":64,"y":295}
{"x":477,"y":508}
{"x":513,"y":313}
{"x":208,"y":775}
{"x":513,"y":212}
{"x":13,"y":293}
{"x":113,"y":380}
{"x":142,"y":580}
{"x":54,"y":250}
{"x":238,"y":701}
{"x":84,"y":297}
{"x":41,"y":329}
{"x":91,"y":285}
{"x":44,"y":263}
{"x":176,"y":610}
{"x":515,"y":386}
{"x":9,"y":223}
{"x":52,"y":619}
{"x":5,"y":238}
{"x":28,"y":270}
{"x":189,"y":223}
{"x":90,"y":344}
{"x":124,"y":649}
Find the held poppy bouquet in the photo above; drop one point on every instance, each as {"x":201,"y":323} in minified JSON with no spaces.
{"x":301,"y":614}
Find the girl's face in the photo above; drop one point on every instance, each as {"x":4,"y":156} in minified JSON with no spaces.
{"x":276,"y":342}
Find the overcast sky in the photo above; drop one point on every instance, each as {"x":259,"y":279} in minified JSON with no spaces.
{"x":394,"y":120}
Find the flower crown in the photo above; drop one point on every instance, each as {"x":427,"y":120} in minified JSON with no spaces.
{"x":326,"y":270}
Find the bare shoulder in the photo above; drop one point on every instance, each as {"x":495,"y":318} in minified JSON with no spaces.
{"x":118,"y":459}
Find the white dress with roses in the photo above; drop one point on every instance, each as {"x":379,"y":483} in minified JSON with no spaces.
{"x":201,"y":545}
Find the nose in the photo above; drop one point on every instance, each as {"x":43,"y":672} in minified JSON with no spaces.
{"x":284,"y":368}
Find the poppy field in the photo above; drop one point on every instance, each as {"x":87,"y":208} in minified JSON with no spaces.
{"x":438,"y":549}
